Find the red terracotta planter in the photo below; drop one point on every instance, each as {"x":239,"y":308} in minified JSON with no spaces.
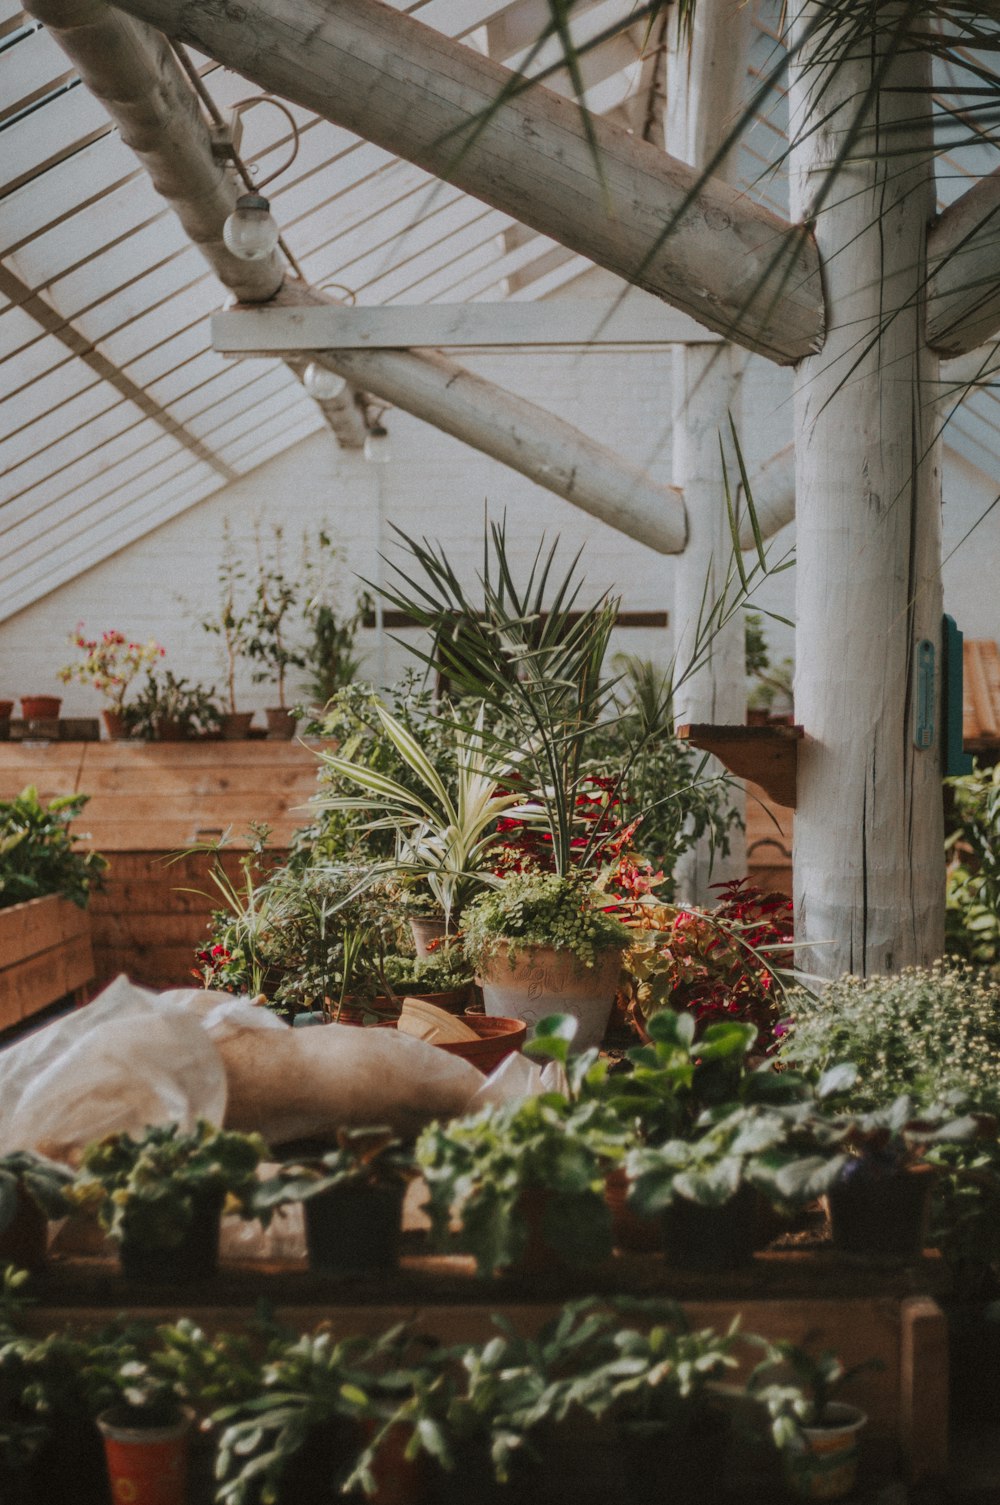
{"x":498,"y":1038}
{"x":146,"y":1465}
{"x":40,"y":707}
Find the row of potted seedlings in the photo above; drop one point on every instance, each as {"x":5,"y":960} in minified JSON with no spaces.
{"x":606,"y":1400}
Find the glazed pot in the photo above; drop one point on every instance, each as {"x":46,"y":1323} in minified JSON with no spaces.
{"x":543,"y":980}
{"x":354,"y":1230}
{"x":146,"y":1465}
{"x":195,"y":1257}
{"x":821,"y":1462}
{"x":40,"y":707}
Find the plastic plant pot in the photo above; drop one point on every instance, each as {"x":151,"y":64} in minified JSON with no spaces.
{"x":821,"y":1462}
{"x":194,"y":1258}
{"x":878,"y":1211}
{"x":710,"y":1239}
{"x":354,"y":1229}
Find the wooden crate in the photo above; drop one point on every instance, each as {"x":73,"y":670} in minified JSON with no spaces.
{"x":45,"y":955}
{"x":149,"y":802}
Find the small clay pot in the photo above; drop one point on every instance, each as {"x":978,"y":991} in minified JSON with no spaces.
{"x":147,"y":1465}
{"x":234,"y":726}
{"x":498,"y":1038}
{"x":114,"y":725}
{"x":41,"y":707}
{"x":280,"y":724}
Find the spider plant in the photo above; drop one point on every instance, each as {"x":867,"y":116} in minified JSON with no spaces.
{"x":444,"y":836}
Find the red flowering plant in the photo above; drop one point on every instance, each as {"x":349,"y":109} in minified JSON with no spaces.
{"x":724,"y":963}
{"x":110,"y":663}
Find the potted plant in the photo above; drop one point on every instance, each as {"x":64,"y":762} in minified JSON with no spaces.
{"x":879,"y":1200}
{"x":267,"y":643}
{"x":45,"y":886}
{"x":318,"y":1401}
{"x":110,"y":664}
{"x":544,"y":943}
{"x":40,"y":707}
{"x":525,"y":1184}
{"x":444,"y":978}
{"x":160,"y":1195}
{"x":168,"y":709}
{"x":32,"y":1193}
{"x":329,"y":653}
{"x":352,"y":1198}
{"x":725,"y":963}
{"x":231,"y":626}
{"x":146,"y":1436}
{"x":444,"y":829}
{"x":816,"y":1434}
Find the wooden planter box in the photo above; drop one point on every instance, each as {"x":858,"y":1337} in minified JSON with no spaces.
{"x":45,"y":955}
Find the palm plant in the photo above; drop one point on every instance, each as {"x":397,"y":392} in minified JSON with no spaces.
{"x":444,"y":836}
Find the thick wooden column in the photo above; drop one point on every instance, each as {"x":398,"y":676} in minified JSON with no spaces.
{"x":869,"y":863}
{"x":704,"y":92}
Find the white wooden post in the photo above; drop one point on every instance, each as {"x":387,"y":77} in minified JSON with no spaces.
{"x":704,"y":90}
{"x":869,"y":863}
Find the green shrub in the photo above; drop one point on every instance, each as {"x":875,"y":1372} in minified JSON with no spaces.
{"x":925,"y":1031}
{"x":37,"y":855}
{"x":972,"y":905}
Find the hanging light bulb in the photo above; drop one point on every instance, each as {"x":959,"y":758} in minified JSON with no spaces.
{"x":322,"y":383}
{"x":378,"y":447}
{"x":250,"y":232}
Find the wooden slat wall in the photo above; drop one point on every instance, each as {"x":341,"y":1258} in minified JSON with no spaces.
{"x":45,"y":954}
{"x":150,"y":801}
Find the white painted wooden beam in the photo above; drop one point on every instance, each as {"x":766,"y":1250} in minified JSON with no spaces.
{"x":772,"y":487}
{"x":963,"y":305}
{"x":520,"y":434}
{"x":635,"y":319}
{"x":732,"y":265}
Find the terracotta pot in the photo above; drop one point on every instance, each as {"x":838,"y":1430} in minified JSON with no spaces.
{"x":453,"y":1001}
{"x":280,"y":724}
{"x":498,"y":1038}
{"x":146,"y":1465}
{"x":114,"y":725}
{"x":40,"y":707}
{"x":234,"y":726}
{"x":6,"y":709}
{"x":757,"y":718}
{"x":821,"y":1462}
{"x":25,"y":1240}
{"x":544,"y":980}
{"x":424,"y":930}
{"x":168,"y":730}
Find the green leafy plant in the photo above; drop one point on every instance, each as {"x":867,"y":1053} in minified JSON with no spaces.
{"x":444,"y":837}
{"x":479,"y":1169}
{"x":231,"y":623}
{"x":268,"y":636}
{"x":193,"y":708}
{"x":329,"y":654}
{"x":444,"y":971}
{"x":972,"y":901}
{"x":363,"y":1157}
{"x":145,"y":1189}
{"x":924,"y":1031}
{"x":43,"y":1180}
{"x":542,"y":909}
{"x":37,"y":854}
{"x":798,"y":1385}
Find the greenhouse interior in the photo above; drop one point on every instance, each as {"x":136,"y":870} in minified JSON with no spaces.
{"x":499,"y":558}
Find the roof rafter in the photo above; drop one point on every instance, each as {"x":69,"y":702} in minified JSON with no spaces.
{"x":53,"y":323}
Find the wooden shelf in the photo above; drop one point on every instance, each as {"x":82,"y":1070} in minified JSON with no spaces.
{"x":766,"y":754}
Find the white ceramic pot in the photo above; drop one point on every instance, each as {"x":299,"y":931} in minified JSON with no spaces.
{"x":544,"y":980}
{"x":821,"y":1463}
